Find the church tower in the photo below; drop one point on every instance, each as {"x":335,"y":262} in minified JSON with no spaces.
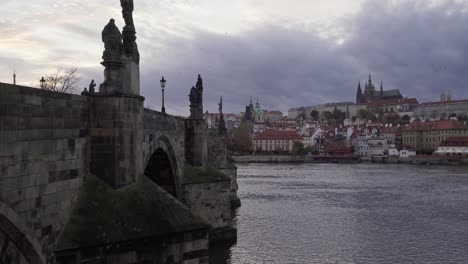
{"x":359,"y":98}
{"x":370,"y":89}
{"x":381,"y":89}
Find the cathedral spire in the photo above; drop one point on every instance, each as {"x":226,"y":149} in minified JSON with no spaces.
{"x":359,"y":94}
{"x":381,"y":88}
{"x":14,"y":77}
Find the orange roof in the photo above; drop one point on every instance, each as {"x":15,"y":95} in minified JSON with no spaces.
{"x":435,"y":125}
{"x":272,"y":134}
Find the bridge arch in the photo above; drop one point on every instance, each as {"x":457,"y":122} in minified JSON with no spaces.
{"x":162,"y":166}
{"x":16,"y":245}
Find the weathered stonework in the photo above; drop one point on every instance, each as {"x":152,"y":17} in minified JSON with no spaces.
{"x":207,"y":194}
{"x":43,"y":158}
{"x":97,"y":178}
{"x":116,"y":138}
{"x":218,"y":158}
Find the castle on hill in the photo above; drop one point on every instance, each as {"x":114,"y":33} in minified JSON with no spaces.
{"x":370,"y":93}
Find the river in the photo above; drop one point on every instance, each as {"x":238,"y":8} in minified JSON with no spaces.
{"x":355,"y":213}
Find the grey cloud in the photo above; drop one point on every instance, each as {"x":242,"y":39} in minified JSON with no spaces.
{"x":410,"y":46}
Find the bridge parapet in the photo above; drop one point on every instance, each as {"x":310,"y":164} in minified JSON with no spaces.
{"x":43,"y":156}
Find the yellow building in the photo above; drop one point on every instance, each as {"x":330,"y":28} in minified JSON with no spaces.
{"x":426,"y":136}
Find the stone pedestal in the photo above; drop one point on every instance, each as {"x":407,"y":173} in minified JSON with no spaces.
{"x":116,"y":138}
{"x":196,"y":149}
{"x":130,"y":78}
{"x":112,"y":77}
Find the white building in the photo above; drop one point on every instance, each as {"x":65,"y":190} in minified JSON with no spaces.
{"x":406,"y":153}
{"x":453,"y":146}
{"x":393,"y":151}
{"x":377,"y":147}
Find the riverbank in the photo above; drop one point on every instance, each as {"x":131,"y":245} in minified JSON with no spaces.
{"x":418,"y":160}
{"x":295,"y":159}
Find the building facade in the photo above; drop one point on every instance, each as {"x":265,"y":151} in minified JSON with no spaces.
{"x":441,"y":110}
{"x":453,"y":146}
{"x":426,"y":136}
{"x":275,"y":140}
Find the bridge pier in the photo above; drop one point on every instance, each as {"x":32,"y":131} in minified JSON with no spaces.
{"x":116,"y":138}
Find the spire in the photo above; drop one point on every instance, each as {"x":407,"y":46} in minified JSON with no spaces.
{"x":14,"y":77}
{"x":251,"y":101}
{"x":221,"y":106}
{"x":381,"y":88}
{"x":257,"y":105}
{"x":370,"y":78}
{"x":221,"y":124}
{"x":442,"y":96}
{"x":359,"y":94}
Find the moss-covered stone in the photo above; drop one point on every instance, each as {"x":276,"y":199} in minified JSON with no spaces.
{"x":103,"y":215}
{"x":205,"y":174}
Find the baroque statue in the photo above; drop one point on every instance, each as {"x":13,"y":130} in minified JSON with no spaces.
{"x":130,"y":48}
{"x":112,"y":39}
{"x":127,"y":13}
{"x":196,"y":99}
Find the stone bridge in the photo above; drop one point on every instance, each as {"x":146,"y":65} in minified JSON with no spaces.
{"x":97,"y":178}
{"x":51,"y":143}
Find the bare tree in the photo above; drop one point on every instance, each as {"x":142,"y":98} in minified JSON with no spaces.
{"x":63,"y":81}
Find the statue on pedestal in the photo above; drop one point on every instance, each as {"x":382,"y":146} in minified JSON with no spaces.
{"x":196,"y":100}
{"x":130,"y":48}
{"x":127,"y":13}
{"x":112,"y":39}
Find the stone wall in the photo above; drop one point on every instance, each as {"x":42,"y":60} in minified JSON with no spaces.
{"x":231,"y":171}
{"x":217,"y":157}
{"x":43,"y":157}
{"x":166,"y":132}
{"x":116,"y":138}
{"x":210,"y":201}
{"x":217,"y":152}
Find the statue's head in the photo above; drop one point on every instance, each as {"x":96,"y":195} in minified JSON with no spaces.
{"x":112,"y":21}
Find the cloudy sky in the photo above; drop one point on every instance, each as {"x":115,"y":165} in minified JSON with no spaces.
{"x":287,"y":53}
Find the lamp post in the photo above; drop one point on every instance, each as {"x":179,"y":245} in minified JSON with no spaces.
{"x":163,"y":86}
{"x":42,"y":81}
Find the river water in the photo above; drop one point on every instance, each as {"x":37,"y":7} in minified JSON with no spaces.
{"x":350,"y":213}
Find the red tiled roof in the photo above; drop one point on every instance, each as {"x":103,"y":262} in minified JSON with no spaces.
{"x":435,"y":125}
{"x":272,"y":134}
{"x":455,"y":142}
{"x":393,"y":102}
{"x":445,"y":102}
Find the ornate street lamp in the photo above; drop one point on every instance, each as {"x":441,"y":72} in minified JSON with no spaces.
{"x":42,"y":81}
{"x":163,"y":86}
